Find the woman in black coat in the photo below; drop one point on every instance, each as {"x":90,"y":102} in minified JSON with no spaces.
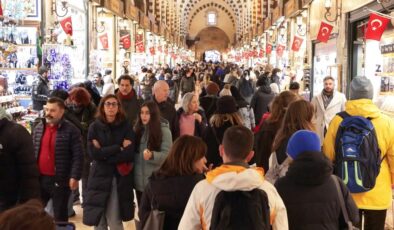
{"x":169,"y":187}
{"x":226,"y":115}
{"x":308,"y":189}
{"x":109,"y":197}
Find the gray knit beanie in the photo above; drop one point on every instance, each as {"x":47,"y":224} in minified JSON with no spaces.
{"x":361,"y":88}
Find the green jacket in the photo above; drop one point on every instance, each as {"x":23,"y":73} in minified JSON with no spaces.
{"x":142,"y":168}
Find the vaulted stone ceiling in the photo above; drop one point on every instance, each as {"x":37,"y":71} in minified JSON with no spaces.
{"x":186,"y":18}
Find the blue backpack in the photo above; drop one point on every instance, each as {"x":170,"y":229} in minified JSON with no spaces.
{"x":357,"y":158}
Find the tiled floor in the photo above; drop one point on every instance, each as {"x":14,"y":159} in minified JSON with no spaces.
{"x":77,"y":220}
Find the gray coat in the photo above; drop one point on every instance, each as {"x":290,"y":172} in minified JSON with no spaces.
{"x":142,"y":168}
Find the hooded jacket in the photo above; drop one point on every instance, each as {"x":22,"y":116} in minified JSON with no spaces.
{"x":311,"y":197}
{"x":230,"y":177}
{"x":260,"y":101}
{"x":380,"y":197}
{"x":40,"y":92}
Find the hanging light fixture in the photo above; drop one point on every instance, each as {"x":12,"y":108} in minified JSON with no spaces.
{"x":338,"y":8}
{"x":300,"y":28}
{"x":101,"y":27}
{"x":64,"y":8}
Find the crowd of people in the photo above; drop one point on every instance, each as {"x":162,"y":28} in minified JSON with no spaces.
{"x":240,"y":149}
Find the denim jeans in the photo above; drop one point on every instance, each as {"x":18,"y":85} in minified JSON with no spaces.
{"x":111,"y":217}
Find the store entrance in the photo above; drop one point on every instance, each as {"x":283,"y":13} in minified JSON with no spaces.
{"x":211,"y":55}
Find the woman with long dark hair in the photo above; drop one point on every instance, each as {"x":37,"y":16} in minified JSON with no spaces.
{"x":264,"y":138}
{"x":170,"y":186}
{"x":298,"y":116}
{"x":153,"y":140}
{"x":109,"y":196}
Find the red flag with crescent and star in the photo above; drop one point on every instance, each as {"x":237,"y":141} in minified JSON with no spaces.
{"x":376,"y":26}
{"x":67,"y":25}
{"x":1,"y":9}
{"x":261,"y":53}
{"x":268,"y":48}
{"x":104,"y":40}
{"x":279,"y":50}
{"x":324,"y":32}
{"x":297,"y":42}
{"x":152,"y":50}
{"x":126,"y":41}
{"x":139,"y":43}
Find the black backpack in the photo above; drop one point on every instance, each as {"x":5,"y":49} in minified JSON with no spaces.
{"x":241,"y":210}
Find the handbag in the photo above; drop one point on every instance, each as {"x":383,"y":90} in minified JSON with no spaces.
{"x":350,"y":225}
{"x":155,"y":219}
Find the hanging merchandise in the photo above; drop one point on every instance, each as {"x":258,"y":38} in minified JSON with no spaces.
{"x":57,"y":59}
{"x":324,"y":32}
{"x":297,"y":42}
{"x":376,"y":26}
{"x":104,"y":41}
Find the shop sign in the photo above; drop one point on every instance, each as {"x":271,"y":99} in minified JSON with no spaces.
{"x":304,"y":3}
{"x":387,"y":49}
{"x":116,"y":6}
{"x":156,"y":29}
{"x":145,"y":22}
{"x":276,"y":13}
{"x":98,"y":2}
{"x":131,"y":11}
{"x":291,"y":8}
{"x":267,"y":23}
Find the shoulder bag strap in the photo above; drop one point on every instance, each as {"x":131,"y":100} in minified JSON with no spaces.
{"x":341,"y":201}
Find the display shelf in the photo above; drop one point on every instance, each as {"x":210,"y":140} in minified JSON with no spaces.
{"x":5,"y":99}
{"x":385,"y":74}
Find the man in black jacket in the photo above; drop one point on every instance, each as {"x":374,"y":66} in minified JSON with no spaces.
{"x":58,"y":149}
{"x":166,"y":106}
{"x":40,"y":91}
{"x":261,"y":99}
{"x":18,"y":169}
{"x":128,"y":98}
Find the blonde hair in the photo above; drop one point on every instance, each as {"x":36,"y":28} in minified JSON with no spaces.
{"x":187,"y":98}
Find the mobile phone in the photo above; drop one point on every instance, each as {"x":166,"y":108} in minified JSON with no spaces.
{"x":65,"y":226}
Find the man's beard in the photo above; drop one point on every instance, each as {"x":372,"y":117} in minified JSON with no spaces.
{"x":328,"y":92}
{"x":51,"y":120}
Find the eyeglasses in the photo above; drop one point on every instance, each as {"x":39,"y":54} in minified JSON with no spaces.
{"x":113,"y":104}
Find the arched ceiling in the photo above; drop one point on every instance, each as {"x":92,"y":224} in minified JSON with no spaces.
{"x":234,"y":9}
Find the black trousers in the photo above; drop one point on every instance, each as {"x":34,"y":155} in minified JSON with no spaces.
{"x":58,"y":194}
{"x":373,"y":219}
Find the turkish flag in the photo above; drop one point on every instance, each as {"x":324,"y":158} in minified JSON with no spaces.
{"x":152,"y":50}
{"x":324,"y":32}
{"x":139,"y":43}
{"x":268,"y":48}
{"x":126,"y":41}
{"x":279,"y":50}
{"x":255,"y":53}
{"x":297,"y":42}
{"x":261,"y":54}
{"x":67,"y":25}
{"x":104,"y":40}
{"x":376,"y":26}
{"x":1,"y":9}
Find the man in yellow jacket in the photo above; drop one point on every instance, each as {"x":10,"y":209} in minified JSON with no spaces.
{"x":373,"y":204}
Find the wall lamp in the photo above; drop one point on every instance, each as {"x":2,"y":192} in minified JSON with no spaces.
{"x":282,"y":33}
{"x":300,"y":29}
{"x":64,"y":8}
{"x":101,"y":27}
{"x":122,"y":24}
{"x":338,"y":8}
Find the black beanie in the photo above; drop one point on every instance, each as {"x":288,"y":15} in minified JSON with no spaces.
{"x":226,"y":104}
